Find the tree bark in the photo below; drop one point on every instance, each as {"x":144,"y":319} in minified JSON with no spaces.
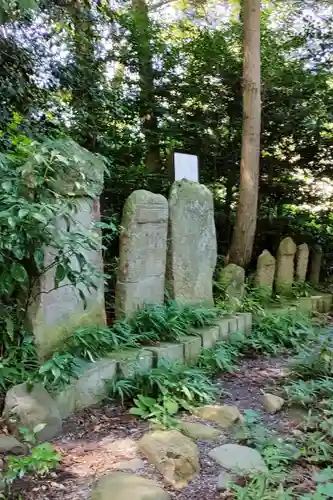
{"x":147,"y":88}
{"x":240,"y":251}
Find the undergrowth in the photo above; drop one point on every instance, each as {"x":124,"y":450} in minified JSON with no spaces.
{"x":150,"y":325}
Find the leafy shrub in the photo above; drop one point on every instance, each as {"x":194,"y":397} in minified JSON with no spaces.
{"x":310,"y":391}
{"x":221,"y":358}
{"x":315,"y":360}
{"x":94,"y":342}
{"x":160,"y":411}
{"x":30,"y":204}
{"x":169,"y":322}
{"x":56,"y":373}
{"x":160,"y":392}
{"x":273,"y":331}
{"x":40,"y":460}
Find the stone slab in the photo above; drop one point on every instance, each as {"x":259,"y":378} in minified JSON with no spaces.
{"x":210,"y":336}
{"x":192,"y":348}
{"x":88,"y":389}
{"x":223,"y":324}
{"x":132,"y":361}
{"x":171,"y":352}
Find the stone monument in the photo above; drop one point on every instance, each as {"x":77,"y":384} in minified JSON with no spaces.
{"x":285,"y":266}
{"x":192,"y":248}
{"x":265,"y":273}
{"x":142,"y":252}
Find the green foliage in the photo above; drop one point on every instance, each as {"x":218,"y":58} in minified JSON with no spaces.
{"x":160,"y":392}
{"x":31,"y":204}
{"x":57,"y":372}
{"x":316,"y":359}
{"x":160,"y":411}
{"x":273,"y":331}
{"x":309,"y":392}
{"x":169,"y":322}
{"x":221,"y":358}
{"x":40,"y":460}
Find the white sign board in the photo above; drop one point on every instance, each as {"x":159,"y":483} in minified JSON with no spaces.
{"x":186,"y":167}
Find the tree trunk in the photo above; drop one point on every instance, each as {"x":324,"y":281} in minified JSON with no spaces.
{"x":147,"y":89}
{"x":240,"y":251}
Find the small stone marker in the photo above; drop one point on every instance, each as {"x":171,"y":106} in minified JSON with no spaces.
{"x":232,"y":278}
{"x":285,"y":265}
{"x":315,"y":264}
{"x":185,"y":167}
{"x":142,"y":255}
{"x":192,"y":250}
{"x":302,"y":259}
{"x":265,"y":272}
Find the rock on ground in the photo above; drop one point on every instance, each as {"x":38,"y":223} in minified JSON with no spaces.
{"x":272,"y":403}
{"x":238,"y":459}
{"x":174,"y":455}
{"x":24,"y":408}
{"x":9,"y":445}
{"x":123,"y":486}
{"x":134,"y":464}
{"x":224,"y":415}
{"x":196,"y":430}
{"x":225,"y":479}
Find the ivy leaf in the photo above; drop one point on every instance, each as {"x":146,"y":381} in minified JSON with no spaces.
{"x":22,"y":213}
{"x":19,"y":273}
{"x":39,"y":258}
{"x":60,"y":274}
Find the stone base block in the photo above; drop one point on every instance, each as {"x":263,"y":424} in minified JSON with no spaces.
{"x":233,"y":325}
{"x":210,"y":336}
{"x":89,"y":388}
{"x":192,"y":348}
{"x":132,"y":361}
{"x":172,"y":352}
{"x":223,"y":324}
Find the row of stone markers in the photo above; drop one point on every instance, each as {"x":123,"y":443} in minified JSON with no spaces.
{"x":292,"y":264}
{"x":167,"y":244}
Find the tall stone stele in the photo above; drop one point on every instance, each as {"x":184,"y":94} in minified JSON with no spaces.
{"x":55,"y":312}
{"x":192,"y":248}
{"x":142,"y":252}
{"x":265,"y":273}
{"x":302,"y":260}
{"x":315,"y":264}
{"x":284,"y":275}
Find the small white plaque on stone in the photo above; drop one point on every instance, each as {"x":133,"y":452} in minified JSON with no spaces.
{"x":186,"y":167}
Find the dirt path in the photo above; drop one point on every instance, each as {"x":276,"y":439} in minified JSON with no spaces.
{"x":97,"y":440}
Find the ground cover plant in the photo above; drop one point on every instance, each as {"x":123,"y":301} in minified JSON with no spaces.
{"x":150,"y":325}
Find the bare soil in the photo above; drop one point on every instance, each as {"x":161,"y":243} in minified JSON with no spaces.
{"x":94,"y":441}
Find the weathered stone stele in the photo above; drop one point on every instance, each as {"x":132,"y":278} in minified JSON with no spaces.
{"x":192,"y":245}
{"x":285,"y":265}
{"x":142,"y":253}
{"x":232,"y":278}
{"x":265,"y":273}
{"x":55,"y":312}
{"x":315,"y":264}
{"x":302,"y":259}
